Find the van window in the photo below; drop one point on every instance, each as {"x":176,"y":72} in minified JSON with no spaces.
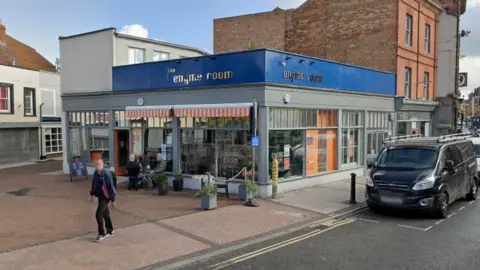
{"x":466,"y":149}
{"x":408,"y":158}
{"x":454,"y":155}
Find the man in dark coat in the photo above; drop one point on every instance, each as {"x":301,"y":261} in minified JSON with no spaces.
{"x":104,"y":189}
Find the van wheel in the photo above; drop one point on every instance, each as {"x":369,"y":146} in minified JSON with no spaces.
{"x":442,"y":206}
{"x":472,"y":194}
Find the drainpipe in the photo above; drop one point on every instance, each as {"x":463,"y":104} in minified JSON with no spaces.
{"x":42,"y":156}
{"x":457,"y":67}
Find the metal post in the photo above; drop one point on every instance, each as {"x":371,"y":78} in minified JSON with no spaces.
{"x":457,"y":67}
{"x":254,"y":134}
{"x":42,"y":156}
{"x":352,"y":188}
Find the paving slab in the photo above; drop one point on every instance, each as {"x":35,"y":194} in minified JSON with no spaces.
{"x":130,"y":248}
{"x":236,"y":222}
{"x":327,"y":199}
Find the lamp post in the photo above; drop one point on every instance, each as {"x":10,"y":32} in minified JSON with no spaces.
{"x":42,"y":156}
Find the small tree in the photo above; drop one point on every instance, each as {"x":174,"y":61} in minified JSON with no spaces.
{"x":251,"y":46}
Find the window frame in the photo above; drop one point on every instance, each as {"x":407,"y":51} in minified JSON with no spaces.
{"x":160,"y":53}
{"x":59,"y":141}
{"x":408,"y":30}
{"x":426,"y":84}
{"x":427,"y":37}
{"x":135,"y":49}
{"x":408,"y":83}
{"x":10,"y":107}
{"x":33,"y":104}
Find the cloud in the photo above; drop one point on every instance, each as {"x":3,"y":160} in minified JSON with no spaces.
{"x":473,"y":3}
{"x":469,"y":46}
{"x":287,"y":4}
{"x":135,"y":30}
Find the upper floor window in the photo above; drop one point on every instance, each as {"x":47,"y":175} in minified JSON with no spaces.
{"x":136,"y":55}
{"x":6,"y":96}
{"x":408,"y":82}
{"x":426,"y":80}
{"x":408,"y":30}
{"x":427,"y":38}
{"x":160,"y":56}
{"x":47,"y":97}
{"x":29,"y":101}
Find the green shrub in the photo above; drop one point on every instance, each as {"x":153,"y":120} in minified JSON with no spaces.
{"x":161,"y":179}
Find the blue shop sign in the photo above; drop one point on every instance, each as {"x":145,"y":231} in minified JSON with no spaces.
{"x":257,"y":66}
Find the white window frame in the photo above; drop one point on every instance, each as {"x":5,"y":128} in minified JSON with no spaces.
{"x":135,"y":60}
{"x":54,"y":101}
{"x":9,"y":109}
{"x":59,"y":141}
{"x":427,"y":38}
{"x":408,"y":82}
{"x":426,"y":81}
{"x":408,"y":30}
{"x":32,"y":101}
{"x":160,"y":53}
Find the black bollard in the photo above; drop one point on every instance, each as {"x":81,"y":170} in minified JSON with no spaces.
{"x":352,"y":188}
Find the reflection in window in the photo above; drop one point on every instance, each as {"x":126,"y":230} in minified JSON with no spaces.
{"x":290,"y":149}
{"x":321,"y":151}
{"x":198,"y":151}
{"x":158,"y":141}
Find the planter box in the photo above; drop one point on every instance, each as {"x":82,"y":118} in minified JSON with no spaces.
{"x":162,"y":189}
{"x":245,"y":193}
{"x":177,"y":185}
{"x":209,"y":202}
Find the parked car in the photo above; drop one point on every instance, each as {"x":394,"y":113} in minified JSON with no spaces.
{"x":476,"y":144}
{"x":423,"y":174}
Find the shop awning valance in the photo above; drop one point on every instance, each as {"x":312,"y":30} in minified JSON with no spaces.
{"x":213,"y":110}
{"x":147,"y":111}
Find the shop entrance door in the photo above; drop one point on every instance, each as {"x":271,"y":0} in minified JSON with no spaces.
{"x":122,"y":150}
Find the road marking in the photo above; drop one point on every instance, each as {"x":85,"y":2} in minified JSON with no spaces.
{"x":451,"y":215}
{"x":471,"y":202}
{"x":440,"y":221}
{"x":264,"y":250}
{"x":367,"y":220}
{"x":461,"y":208}
{"x":428,"y":228}
{"x":414,"y":228}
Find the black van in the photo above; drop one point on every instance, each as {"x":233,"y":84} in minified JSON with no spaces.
{"x":425,"y":174}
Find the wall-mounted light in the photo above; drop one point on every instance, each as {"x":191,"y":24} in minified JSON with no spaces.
{"x":178,"y":62}
{"x":301,"y":60}
{"x":288,"y":58}
{"x":213,"y":58}
{"x":282,"y":63}
{"x":313,"y":62}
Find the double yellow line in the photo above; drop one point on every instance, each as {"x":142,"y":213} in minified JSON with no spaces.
{"x":285,"y":243}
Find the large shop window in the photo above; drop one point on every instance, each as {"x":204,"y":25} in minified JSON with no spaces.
{"x":220,"y":146}
{"x":303,"y":138}
{"x":352,"y":138}
{"x":151,"y":134}
{"x":378,"y":128}
{"x":89,"y":136}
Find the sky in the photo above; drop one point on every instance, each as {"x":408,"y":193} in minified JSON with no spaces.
{"x":39,"y":23}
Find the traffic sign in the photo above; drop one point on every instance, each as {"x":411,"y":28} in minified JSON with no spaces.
{"x":463,"y":79}
{"x":255,"y":141}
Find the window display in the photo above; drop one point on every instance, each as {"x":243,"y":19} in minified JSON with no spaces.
{"x":321,"y":151}
{"x":290,"y":149}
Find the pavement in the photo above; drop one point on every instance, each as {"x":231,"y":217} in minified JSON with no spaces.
{"x":49,"y":223}
{"x":369,"y":240}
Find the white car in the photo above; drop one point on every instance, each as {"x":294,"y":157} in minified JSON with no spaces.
{"x":476,"y":144}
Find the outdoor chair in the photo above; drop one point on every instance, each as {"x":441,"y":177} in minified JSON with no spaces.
{"x":222,"y":184}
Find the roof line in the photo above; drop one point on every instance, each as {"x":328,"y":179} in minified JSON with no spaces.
{"x":88,"y":33}
{"x":161,"y":43}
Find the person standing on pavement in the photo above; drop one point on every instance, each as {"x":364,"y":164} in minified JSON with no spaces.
{"x":104,"y":190}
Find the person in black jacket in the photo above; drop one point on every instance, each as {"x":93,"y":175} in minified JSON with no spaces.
{"x":104,"y":189}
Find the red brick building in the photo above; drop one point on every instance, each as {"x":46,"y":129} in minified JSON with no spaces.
{"x":397,"y":36}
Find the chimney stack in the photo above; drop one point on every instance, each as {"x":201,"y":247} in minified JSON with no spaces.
{"x":3,"y":33}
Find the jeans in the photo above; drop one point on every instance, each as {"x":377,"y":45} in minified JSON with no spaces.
{"x":103,"y":216}
{"x":133,"y":183}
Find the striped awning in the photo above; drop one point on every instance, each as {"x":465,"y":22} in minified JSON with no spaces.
{"x":147,"y":111}
{"x":213,"y":110}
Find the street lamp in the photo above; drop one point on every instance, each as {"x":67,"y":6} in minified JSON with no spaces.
{"x":42,"y":156}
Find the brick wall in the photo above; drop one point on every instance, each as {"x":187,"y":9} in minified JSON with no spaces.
{"x":263,"y":30}
{"x":357,"y":32}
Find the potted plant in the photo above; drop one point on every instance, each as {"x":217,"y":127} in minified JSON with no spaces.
{"x":178,"y":182}
{"x":247,"y":190}
{"x":209,"y":197}
{"x":114,"y":178}
{"x":162,"y":184}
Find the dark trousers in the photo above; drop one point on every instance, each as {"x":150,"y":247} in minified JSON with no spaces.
{"x":103,"y":216}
